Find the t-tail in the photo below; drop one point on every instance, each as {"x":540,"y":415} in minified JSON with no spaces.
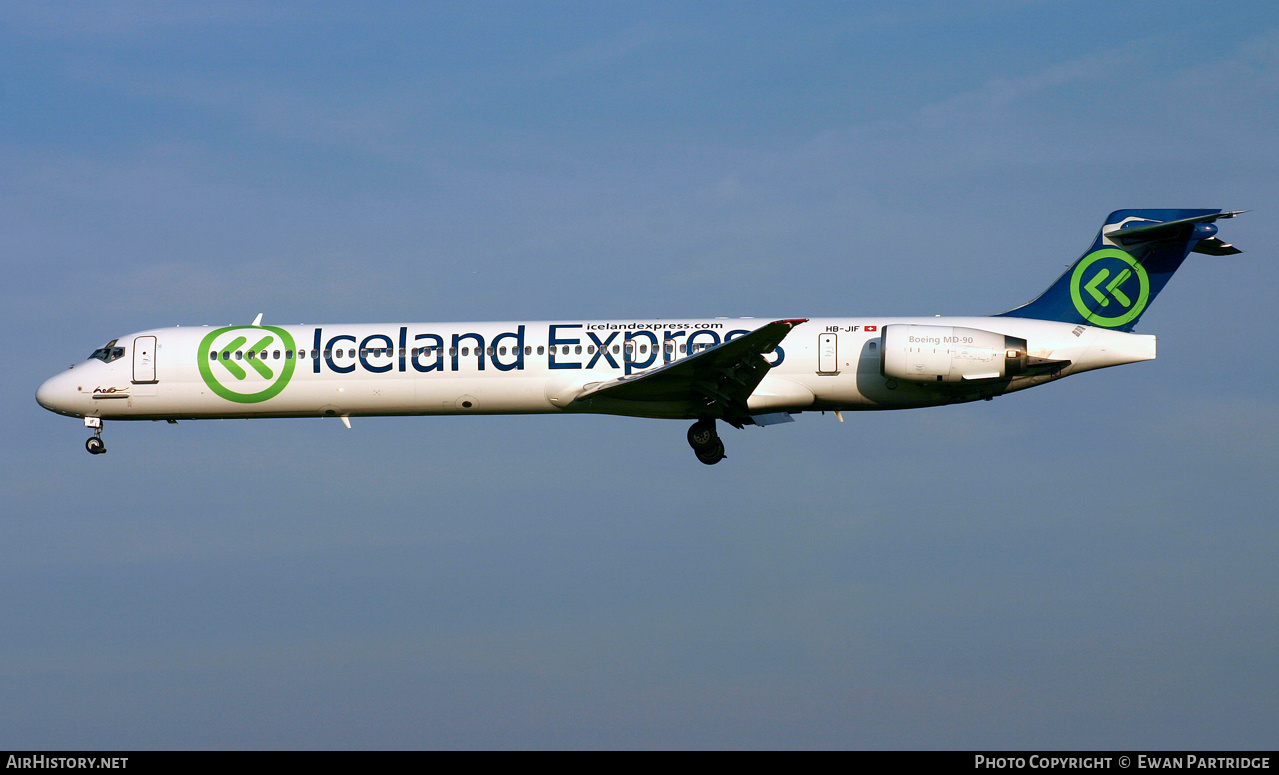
{"x":1130,"y":261}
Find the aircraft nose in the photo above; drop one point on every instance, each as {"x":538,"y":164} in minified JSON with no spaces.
{"x":58,"y":393}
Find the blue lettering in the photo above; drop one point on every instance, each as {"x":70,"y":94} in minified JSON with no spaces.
{"x":602,"y":349}
{"x":364,"y":350}
{"x":553,"y":340}
{"x":632,"y":362}
{"x":436,"y":348}
{"x":518,"y":336}
{"x":315,"y":358}
{"x":692,"y":340}
{"x":671,"y":353}
{"x":478,"y":350}
{"x":328,"y":354}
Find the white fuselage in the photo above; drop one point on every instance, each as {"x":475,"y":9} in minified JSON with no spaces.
{"x":522,"y":367}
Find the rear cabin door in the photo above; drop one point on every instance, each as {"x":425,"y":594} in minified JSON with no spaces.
{"x":827,"y":354}
{"x":144,"y":359}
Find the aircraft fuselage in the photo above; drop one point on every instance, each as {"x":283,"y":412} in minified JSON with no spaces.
{"x":532,"y":367}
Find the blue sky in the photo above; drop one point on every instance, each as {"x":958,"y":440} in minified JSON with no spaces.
{"x":1089,"y":564}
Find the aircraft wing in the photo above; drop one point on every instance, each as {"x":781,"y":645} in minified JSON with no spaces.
{"x":719,"y":378}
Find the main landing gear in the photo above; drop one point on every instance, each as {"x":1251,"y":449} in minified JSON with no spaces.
{"x":95,"y":445}
{"x":705,"y":442}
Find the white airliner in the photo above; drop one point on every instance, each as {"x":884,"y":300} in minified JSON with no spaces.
{"x":734,"y":370}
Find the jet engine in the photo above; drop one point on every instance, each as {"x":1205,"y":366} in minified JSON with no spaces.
{"x":949,"y":354}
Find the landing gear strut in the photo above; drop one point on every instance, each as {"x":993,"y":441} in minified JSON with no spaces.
{"x":95,"y":445}
{"x":705,"y":442}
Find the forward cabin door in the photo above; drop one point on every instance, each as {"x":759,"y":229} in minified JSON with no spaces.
{"x":144,"y":359}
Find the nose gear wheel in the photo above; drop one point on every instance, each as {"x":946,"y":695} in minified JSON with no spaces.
{"x":95,"y":444}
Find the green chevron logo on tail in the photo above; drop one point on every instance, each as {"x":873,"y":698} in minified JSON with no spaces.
{"x":1119,"y":294}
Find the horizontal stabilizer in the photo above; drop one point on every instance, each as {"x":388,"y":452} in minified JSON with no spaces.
{"x":1213,"y":246}
{"x":1128,"y":234}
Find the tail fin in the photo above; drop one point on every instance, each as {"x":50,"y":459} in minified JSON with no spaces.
{"x":1130,"y":261}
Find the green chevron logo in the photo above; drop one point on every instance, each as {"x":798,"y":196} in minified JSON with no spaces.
{"x":247,"y":364}
{"x":1109,"y":280}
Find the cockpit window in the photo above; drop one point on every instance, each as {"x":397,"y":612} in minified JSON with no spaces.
{"x":108,"y":352}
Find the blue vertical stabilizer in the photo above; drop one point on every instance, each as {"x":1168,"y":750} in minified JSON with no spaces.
{"x":1130,"y":261}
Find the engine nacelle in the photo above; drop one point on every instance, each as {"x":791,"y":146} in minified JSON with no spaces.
{"x":949,"y":354}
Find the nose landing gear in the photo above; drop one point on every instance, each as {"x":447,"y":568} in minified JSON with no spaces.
{"x":95,"y":445}
{"x":705,"y":442}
